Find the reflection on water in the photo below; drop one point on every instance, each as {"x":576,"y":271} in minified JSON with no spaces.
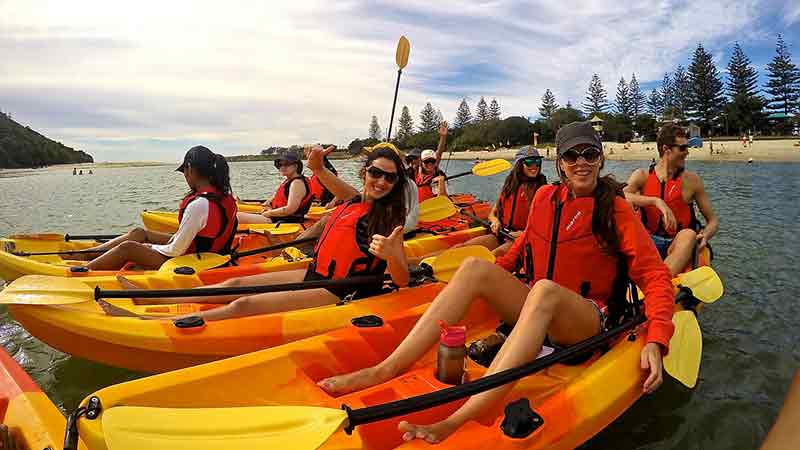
{"x":751,"y":339}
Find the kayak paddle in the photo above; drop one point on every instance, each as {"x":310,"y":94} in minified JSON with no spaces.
{"x":436,"y":209}
{"x":484,"y":169}
{"x":49,"y":290}
{"x":308,"y":427}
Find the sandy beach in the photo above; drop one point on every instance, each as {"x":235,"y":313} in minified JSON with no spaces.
{"x":84,"y":167}
{"x":767,"y":150}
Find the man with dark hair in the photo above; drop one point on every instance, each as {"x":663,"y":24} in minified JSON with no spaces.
{"x":667,"y":194}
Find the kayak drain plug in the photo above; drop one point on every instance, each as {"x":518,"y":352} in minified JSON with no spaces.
{"x":520,"y":420}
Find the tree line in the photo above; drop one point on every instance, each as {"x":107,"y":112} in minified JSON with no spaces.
{"x":22,"y":147}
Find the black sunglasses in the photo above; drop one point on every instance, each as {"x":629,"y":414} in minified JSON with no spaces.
{"x":376,"y":173}
{"x":283,"y":163}
{"x":683,"y":148}
{"x":429,"y":161}
{"x":532,"y":160}
{"x":591,"y":155}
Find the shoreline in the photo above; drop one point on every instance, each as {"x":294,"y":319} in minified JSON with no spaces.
{"x":730,"y":151}
{"x":81,"y":166}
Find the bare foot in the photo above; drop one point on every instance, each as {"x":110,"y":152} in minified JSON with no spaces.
{"x":354,"y":381}
{"x":116,"y":311}
{"x":431,"y":434}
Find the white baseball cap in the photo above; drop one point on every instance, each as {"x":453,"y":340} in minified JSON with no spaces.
{"x":428,"y":154}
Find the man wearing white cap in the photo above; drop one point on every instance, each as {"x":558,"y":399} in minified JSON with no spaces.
{"x":429,"y":176}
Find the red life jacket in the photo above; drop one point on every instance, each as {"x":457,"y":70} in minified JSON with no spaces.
{"x":337,"y":253}
{"x":319,"y":192}
{"x":425,"y":185}
{"x":513,"y":210}
{"x":221,"y":225}
{"x":281,"y":199}
{"x":671,"y":191}
{"x":560,"y":246}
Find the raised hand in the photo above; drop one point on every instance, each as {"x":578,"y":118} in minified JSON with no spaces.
{"x":443,"y":128}
{"x":386,"y":247}
{"x":315,"y":154}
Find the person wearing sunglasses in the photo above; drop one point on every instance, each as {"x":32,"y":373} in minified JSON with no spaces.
{"x":206,"y":217}
{"x":413,"y":162}
{"x":666,"y":195}
{"x":363,"y":236}
{"x":293,"y":198}
{"x":429,"y":174}
{"x":583,"y":239}
{"x":319,"y":193}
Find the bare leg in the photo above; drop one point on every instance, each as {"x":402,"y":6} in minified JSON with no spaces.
{"x":115,"y":258}
{"x":244,"y":217}
{"x":475,"y":278}
{"x":269,"y":303}
{"x":549,"y":309}
{"x":135,"y":235}
{"x":503,"y":249}
{"x":680,"y":251}
{"x":286,"y":276}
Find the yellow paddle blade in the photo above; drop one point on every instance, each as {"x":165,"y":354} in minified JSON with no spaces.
{"x":491,"y":167}
{"x":704,"y":282}
{"x":45,"y":290}
{"x":435,"y":209}
{"x":275,"y":229}
{"x":403,"y":49}
{"x":198,"y":262}
{"x":316,"y":212}
{"x":685,"y":349}
{"x":242,"y":428}
{"x":254,"y":208}
{"x":446,"y":264}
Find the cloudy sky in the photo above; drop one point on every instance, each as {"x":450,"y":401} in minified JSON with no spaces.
{"x":146,"y":80}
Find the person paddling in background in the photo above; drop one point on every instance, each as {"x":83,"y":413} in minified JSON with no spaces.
{"x":292,"y":199}
{"x":429,"y":174}
{"x":574,"y":278}
{"x":666,"y":193}
{"x":363,"y":236}
{"x":207,"y":219}
{"x":319,"y":193}
{"x":413,"y":162}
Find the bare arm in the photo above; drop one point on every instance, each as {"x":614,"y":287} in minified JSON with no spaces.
{"x":390,"y":249}
{"x":704,"y":203}
{"x":442,"y":142}
{"x":338,"y":187}
{"x":297,"y":190}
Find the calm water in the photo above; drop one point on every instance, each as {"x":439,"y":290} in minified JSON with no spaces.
{"x":751,"y":338}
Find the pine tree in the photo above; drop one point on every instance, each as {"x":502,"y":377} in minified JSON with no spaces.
{"x":745,"y":110}
{"x":705,"y":88}
{"x":375,"y":129}
{"x":549,"y":105}
{"x":481,"y":111}
{"x":428,"y":119}
{"x":784,"y":80}
{"x":655,"y":103}
{"x":463,"y":115}
{"x":405,"y":126}
{"x":680,"y":92}
{"x":623,"y":101}
{"x":667,"y":99}
{"x":636,"y":96}
{"x":439,"y":118}
{"x":494,"y":110}
{"x":596,"y":97}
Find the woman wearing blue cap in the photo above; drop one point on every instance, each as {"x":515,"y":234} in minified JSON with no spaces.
{"x":207,"y":219}
{"x":292,"y":199}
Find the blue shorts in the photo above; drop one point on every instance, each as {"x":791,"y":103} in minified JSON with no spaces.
{"x":662,"y":244}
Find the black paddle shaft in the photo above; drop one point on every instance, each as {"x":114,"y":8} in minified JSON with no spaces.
{"x":397,"y":408}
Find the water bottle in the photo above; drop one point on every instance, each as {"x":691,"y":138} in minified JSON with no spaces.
{"x":451,"y":354}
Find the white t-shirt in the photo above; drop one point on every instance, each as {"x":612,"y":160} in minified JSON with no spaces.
{"x":195,"y":218}
{"x":412,"y":205}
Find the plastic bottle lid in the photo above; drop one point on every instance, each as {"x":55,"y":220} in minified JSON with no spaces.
{"x":452,"y":336}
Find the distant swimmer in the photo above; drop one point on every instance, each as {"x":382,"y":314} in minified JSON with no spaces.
{"x":80,"y":172}
{"x":90,"y":172}
{"x":74,"y":171}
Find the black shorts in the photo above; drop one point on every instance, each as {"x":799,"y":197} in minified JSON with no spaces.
{"x":347,"y":292}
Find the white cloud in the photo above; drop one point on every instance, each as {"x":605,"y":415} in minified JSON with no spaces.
{"x":113,"y":78}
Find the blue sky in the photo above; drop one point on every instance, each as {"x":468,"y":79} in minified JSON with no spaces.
{"x":146,"y":80}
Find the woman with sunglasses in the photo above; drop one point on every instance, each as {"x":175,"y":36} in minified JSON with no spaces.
{"x":293,"y":198}
{"x":363,"y":236}
{"x":579,"y":233}
{"x":206,"y":216}
{"x":429,"y":176}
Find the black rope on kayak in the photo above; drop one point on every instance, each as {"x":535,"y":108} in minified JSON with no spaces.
{"x":502,"y":232}
{"x":94,"y":237}
{"x":397,"y":408}
{"x":71,"y":431}
{"x":236,"y":255}
{"x":239,"y":290}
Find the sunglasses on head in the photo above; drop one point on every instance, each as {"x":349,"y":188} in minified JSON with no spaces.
{"x":377,"y":173}
{"x":532,"y":161}
{"x":428,"y":161}
{"x":591,"y":155}
{"x":683,"y":148}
